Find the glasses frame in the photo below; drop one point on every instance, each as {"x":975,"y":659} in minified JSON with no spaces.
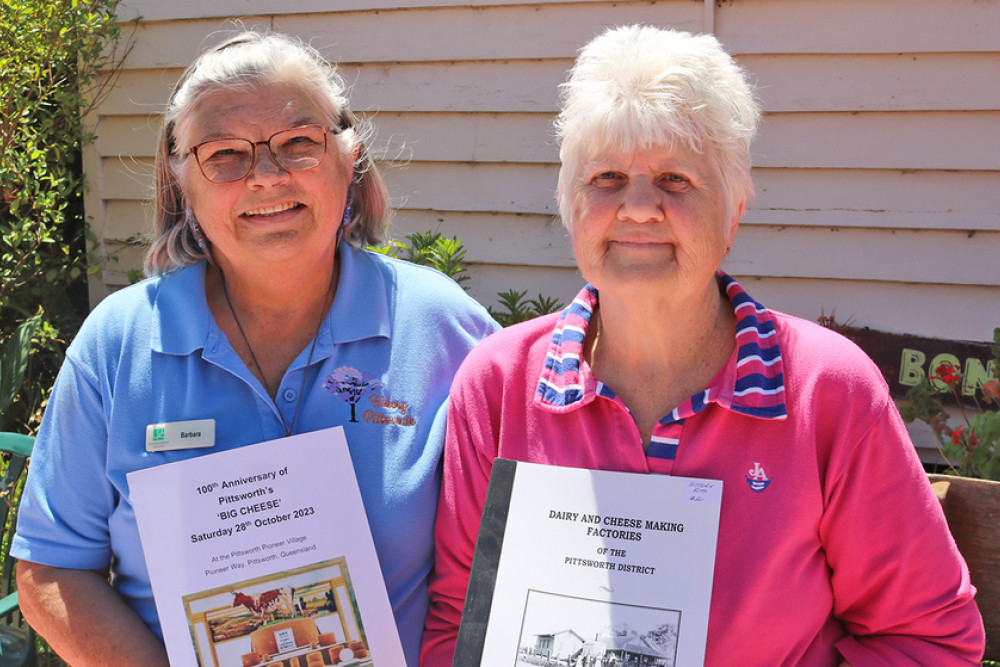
{"x":327,"y":130}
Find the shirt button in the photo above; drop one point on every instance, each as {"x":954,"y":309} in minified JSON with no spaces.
{"x":289,"y":395}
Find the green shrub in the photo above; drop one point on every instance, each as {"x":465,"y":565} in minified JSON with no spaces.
{"x":14,"y":362}
{"x":447,"y":256}
{"x":50,"y":55}
{"x":429,"y":249}
{"x":518,"y":307}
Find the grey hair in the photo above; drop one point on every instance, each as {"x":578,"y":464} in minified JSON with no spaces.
{"x":247,"y":62}
{"x":639,"y":86}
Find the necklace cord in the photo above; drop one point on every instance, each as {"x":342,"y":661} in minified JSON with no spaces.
{"x":312,"y":348}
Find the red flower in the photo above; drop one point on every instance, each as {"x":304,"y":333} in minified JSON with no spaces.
{"x":964,"y":438}
{"x":948,"y":373}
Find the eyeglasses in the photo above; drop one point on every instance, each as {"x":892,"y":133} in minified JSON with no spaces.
{"x":231,"y":160}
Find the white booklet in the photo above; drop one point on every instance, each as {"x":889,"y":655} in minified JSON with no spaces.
{"x":262,"y":555}
{"x":590,"y":568}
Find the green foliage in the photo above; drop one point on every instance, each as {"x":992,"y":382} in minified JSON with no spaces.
{"x":56,"y":57}
{"x":14,"y":362}
{"x":429,"y":249}
{"x":971,"y":449}
{"x":447,"y":256}
{"x":518,"y":308}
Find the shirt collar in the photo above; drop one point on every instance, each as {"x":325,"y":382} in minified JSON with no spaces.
{"x":180,"y":317}
{"x":751,"y":383}
{"x":183,"y":323}
{"x":361,"y":307}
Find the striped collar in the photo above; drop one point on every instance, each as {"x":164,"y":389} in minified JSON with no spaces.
{"x":752,"y":383}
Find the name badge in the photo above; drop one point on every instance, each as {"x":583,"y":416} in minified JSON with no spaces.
{"x":180,"y":435}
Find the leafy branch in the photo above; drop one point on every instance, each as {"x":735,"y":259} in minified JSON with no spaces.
{"x":58,"y":60}
{"x":448,"y":256}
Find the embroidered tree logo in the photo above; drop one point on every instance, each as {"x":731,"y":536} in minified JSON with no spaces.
{"x":350,"y":385}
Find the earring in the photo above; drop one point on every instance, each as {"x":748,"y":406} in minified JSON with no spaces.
{"x":347,"y":207}
{"x":195,"y":228}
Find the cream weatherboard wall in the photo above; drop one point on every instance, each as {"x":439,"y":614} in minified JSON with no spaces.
{"x":877,"y":169}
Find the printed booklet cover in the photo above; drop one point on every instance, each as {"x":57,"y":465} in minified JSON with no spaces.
{"x":262,"y":555}
{"x":586,"y":567}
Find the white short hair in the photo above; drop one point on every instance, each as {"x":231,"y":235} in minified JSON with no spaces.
{"x":637,"y":86}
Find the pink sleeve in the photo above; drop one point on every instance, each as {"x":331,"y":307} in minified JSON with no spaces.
{"x":463,"y":493}
{"x":900,"y":586}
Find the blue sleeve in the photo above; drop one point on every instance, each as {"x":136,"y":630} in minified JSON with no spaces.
{"x":62,"y":522}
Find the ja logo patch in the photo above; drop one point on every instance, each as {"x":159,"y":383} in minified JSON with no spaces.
{"x":757,"y":479}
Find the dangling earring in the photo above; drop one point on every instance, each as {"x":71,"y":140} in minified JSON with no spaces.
{"x":195,"y":228}
{"x":347,"y":207}
{"x":347,"y":213}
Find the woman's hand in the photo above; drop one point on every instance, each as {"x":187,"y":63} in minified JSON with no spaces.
{"x":84,"y":620}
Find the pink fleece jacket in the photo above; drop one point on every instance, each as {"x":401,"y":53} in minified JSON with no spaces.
{"x":831,"y":543}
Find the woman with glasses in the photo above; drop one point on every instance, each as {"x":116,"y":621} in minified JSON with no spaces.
{"x":263,"y":313}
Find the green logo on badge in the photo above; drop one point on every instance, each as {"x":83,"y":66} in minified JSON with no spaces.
{"x":159,"y":433}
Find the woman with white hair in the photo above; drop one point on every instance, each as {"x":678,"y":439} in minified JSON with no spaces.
{"x":262,"y":313}
{"x":831,"y":547}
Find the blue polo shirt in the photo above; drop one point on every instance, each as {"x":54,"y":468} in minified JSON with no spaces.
{"x":152,"y":353}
